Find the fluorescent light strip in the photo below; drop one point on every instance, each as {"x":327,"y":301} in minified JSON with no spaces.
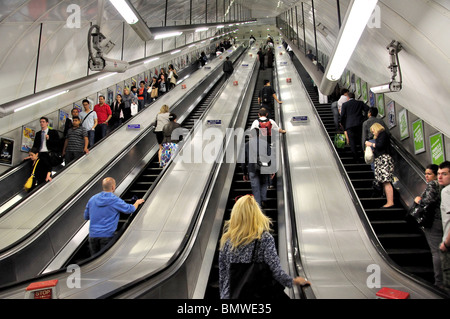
{"x":151,"y":60}
{"x":201,"y":29}
{"x":220,"y":26}
{"x":123,"y":8}
{"x":106,"y":76}
{"x":40,"y":101}
{"x":355,"y":24}
{"x":174,"y":52}
{"x":167,"y":35}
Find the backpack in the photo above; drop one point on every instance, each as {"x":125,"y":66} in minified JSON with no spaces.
{"x":265,"y":96}
{"x":265,"y":127}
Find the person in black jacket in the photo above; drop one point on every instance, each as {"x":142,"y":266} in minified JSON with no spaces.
{"x":383,"y":162}
{"x":352,"y":119}
{"x":228,"y":68}
{"x":43,"y":170}
{"x":47,"y":141}
{"x":117,"y":107}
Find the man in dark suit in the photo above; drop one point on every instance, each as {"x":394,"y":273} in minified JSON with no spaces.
{"x":352,"y":116}
{"x":46,"y":140}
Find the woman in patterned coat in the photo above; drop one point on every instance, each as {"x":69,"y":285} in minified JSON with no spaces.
{"x":246,"y":226}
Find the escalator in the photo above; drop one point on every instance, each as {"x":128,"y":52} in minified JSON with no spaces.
{"x":401,"y":238}
{"x":142,"y":185}
{"x":239,"y":187}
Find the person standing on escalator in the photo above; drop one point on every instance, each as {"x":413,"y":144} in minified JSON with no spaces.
{"x":103,"y":211}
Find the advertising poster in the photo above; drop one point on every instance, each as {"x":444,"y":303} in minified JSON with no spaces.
{"x":391,"y":114}
{"x":347,"y":80}
{"x":403,"y":122}
{"x":63,"y":116}
{"x":118,"y":89}
{"x":437,"y":149}
{"x":28,"y":135}
{"x":109,"y":96}
{"x":364,"y":97}
{"x":353,"y":83}
{"x":358,"y":88}
{"x":6,"y":153}
{"x":371,"y":98}
{"x":419,"y":141}
{"x":380,"y":105}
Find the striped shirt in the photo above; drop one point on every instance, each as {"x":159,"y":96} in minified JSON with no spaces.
{"x":76,"y":139}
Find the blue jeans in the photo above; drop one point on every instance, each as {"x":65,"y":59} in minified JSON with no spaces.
{"x":259,"y":183}
{"x":91,"y":138}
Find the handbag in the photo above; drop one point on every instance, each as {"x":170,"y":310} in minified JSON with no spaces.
{"x":422,"y":214}
{"x":254,"y":280}
{"x":134,"y":109}
{"x":368,"y":155}
{"x":154,"y":93}
{"x":30,"y":180}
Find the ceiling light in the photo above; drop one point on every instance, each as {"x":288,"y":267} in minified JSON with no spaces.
{"x":174,"y":52}
{"x":355,"y":22}
{"x":124,"y":9}
{"x":201,"y":29}
{"x":151,"y":60}
{"x":167,"y":35}
{"x":220,"y":26}
{"x":41,"y":100}
{"x":106,"y":76}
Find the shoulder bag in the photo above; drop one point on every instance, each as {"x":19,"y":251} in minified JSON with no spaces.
{"x":30,"y":179}
{"x":422,"y":214}
{"x":254,"y":280}
{"x":368,"y":155}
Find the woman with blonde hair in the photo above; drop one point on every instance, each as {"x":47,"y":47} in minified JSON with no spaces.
{"x":162,"y":118}
{"x":383,"y":162}
{"x":246,"y":229}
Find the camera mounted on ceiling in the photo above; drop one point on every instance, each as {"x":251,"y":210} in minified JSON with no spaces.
{"x":393,"y":86}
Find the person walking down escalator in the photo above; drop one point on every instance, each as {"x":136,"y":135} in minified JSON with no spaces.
{"x":246,"y":235}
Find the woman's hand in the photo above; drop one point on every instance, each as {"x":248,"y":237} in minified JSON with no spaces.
{"x":301,"y":281}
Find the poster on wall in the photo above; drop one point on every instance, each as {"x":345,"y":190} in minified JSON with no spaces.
{"x":437,"y":149}
{"x":419,"y":141}
{"x":118,"y":89}
{"x":364,"y":92}
{"x":63,"y":116}
{"x":6,"y":153}
{"x":403,"y":122}
{"x":391,"y":114}
{"x":347,"y":80}
{"x":371,"y":98}
{"x":28,"y":135}
{"x":353,"y":84}
{"x":380,"y":105}
{"x":358,"y":88}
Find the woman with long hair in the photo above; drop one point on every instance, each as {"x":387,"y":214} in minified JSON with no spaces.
{"x":246,"y":227}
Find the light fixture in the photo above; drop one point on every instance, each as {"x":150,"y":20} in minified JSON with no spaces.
{"x":41,"y":100}
{"x":151,"y":60}
{"x":124,"y":9}
{"x":352,"y":28}
{"x":220,"y":26}
{"x":106,"y":76}
{"x":201,"y":29}
{"x":174,"y":52}
{"x":167,"y":35}
{"x":393,"y":86}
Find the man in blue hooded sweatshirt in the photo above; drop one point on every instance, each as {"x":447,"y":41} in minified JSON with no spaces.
{"x":103,"y":210}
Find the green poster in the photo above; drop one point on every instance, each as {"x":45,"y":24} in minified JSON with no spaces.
{"x":380,"y":105}
{"x":403,"y":122}
{"x":364,"y":97}
{"x":358,"y":88}
{"x":437,"y":149}
{"x":419,"y":142}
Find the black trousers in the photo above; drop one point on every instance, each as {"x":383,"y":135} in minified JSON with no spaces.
{"x":97,"y":243}
{"x":354,"y":139}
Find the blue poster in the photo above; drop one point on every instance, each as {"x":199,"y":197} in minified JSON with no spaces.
{"x":372,"y":98}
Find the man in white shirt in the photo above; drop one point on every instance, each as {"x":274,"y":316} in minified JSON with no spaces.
{"x":444,"y":181}
{"x":89,"y":121}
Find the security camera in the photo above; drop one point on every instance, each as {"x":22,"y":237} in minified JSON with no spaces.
{"x":108,"y":65}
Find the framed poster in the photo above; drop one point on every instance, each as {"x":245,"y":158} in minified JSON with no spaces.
{"x":364,"y":96}
{"x":358,"y":88}
{"x":437,"y":149}
{"x":347,"y":80}
{"x":419,"y":141}
{"x":391,"y":114}
{"x":63,"y":116}
{"x":6,"y":151}
{"x":403,"y":122}
{"x":28,"y":135}
{"x":380,"y":105}
{"x":353,"y":83}
{"x":371,"y":98}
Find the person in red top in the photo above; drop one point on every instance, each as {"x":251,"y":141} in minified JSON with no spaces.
{"x":142,"y":96}
{"x":104,"y":114}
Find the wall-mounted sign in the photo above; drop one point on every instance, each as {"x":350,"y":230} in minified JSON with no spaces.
{"x":364,"y":97}
{"x":419,"y":141}
{"x":403,"y":122}
{"x":380,"y":105}
{"x":437,"y":149}
{"x":6,"y":151}
{"x":28,"y":135}
{"x":391,"y":114}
